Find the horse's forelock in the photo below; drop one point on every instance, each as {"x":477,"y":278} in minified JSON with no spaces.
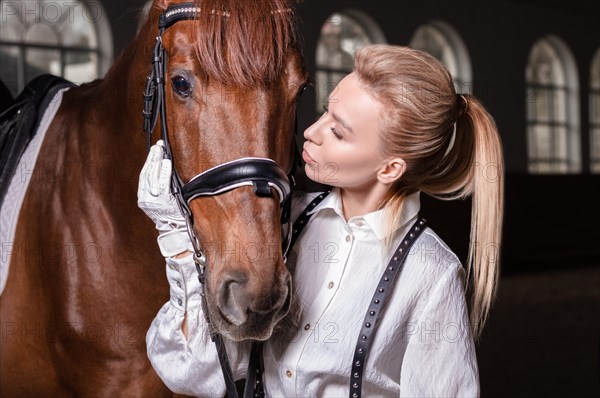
{"x":232,"y":45}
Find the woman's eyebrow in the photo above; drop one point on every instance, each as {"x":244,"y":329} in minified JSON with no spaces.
{"x":341,"y":121}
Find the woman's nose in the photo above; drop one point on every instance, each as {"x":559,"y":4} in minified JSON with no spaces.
{"x":312,"y":133}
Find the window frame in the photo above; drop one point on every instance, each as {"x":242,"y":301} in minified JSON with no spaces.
{"x":374,"y":34}
{"x":463,"y":77}
{"x":102,"y":51}
{"x":567,"y":84}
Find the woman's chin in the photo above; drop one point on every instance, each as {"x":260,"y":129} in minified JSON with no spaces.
{"x":312,"y":172}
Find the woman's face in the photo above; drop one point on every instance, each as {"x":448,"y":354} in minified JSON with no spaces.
{"x":342,"y":146}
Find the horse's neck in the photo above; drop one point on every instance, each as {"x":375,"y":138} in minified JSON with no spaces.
{"x":113,"y":106}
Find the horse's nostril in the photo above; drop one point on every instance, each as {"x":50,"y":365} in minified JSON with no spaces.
{"x":233,"y":280}
{"x":240,"y":302}
{"x":232,"y":297}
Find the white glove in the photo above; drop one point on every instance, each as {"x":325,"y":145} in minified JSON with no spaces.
{"x":156,"y":200}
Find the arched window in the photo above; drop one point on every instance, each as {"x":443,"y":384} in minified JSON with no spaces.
{"x":443,"y":42}
{"x":595,"y":113}
{"x":552,"y":108}
{"x":342,"y":35}
{"x":70,"y":39}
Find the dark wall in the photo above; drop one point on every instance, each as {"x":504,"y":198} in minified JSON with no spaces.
{"x":123,"y":17}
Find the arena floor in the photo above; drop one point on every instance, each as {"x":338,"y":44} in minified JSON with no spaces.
{"x":543,"y":336}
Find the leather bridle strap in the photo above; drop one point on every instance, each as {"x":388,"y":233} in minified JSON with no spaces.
{"x":376,"y":307}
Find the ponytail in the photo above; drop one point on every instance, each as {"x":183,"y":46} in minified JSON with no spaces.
{"x":474,"y":167}
{"x":486,"y":213}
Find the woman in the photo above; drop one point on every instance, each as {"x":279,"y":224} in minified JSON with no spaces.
{"x":393,"y":128}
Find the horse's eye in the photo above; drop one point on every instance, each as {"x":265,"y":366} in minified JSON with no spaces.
{"x":303,"y":88}
{"x":181,"y":86}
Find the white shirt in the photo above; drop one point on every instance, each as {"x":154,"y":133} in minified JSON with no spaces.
{"x":423,"y":346}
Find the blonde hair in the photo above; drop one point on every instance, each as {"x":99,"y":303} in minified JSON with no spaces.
{"x":443,"y":160}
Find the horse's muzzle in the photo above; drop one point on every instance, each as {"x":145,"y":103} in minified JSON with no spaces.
{"x":251,"y":312}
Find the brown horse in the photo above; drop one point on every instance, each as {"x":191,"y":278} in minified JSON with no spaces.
{"x":86,"y":276}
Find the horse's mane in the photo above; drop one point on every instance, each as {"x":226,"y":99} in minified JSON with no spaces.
{"x":231,"y":45}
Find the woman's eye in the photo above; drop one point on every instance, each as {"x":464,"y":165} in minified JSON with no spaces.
{"x":181,"y":86}
{"x":335,"y":133}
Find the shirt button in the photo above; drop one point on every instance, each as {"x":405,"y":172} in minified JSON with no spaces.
{"x":288,"y":373}
{"x":178,"y":284}
{"x":330,"y":285}
{"x":359,"y":223}
{"x":348,"y":238}
{"x":179,"y":301}
{"x":307,"y":326}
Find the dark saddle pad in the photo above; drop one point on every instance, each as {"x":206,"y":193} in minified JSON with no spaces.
{"x":19,"y":123}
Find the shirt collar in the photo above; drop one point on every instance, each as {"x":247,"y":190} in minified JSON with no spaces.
{"x":410,"y":209}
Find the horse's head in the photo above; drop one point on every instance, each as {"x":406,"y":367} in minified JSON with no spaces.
{"x":232,"y":80}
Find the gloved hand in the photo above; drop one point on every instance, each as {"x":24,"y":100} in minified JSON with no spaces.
{"x":157,"y":202}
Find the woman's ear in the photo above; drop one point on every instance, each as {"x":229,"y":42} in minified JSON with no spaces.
{"x":391,"y":170}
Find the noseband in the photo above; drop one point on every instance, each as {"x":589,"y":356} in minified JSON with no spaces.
{"x":260,"y":173}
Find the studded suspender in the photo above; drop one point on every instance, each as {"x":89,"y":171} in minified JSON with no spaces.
{"x":374,"y":312}
{"x":303,"y":218}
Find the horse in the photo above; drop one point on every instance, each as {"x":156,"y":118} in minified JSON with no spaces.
{"x":86,"y":276}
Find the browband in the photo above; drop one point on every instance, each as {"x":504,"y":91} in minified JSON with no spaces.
{"x":178,"y":12}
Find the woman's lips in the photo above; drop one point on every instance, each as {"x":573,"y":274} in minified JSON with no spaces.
{"x":307,"y":157}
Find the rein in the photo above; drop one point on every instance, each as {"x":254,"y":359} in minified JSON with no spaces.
{"x":261,"y":173}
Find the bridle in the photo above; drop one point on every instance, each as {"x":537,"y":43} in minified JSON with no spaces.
{"x":261,"y":173}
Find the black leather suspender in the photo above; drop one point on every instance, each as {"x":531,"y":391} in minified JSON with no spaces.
{"x":303,"y":218}
{"x":377,"y":304}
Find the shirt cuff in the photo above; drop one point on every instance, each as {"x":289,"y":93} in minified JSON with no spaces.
{"x":185,"y":288}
